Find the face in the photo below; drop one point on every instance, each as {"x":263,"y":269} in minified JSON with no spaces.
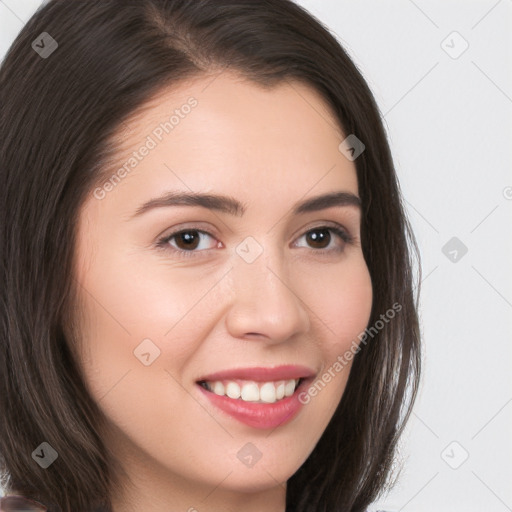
{"x":189,"y":304}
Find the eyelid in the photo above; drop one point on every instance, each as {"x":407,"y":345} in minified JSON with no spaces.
{"x":338,"y":229}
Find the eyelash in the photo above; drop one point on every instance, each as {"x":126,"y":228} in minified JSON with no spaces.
{"x":163,"y":243}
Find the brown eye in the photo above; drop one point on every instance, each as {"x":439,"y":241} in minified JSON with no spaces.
{"x":319,"y":238}
{"x":186,"y":242}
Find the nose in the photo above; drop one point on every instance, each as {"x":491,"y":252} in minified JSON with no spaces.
{"x":266,"y":302}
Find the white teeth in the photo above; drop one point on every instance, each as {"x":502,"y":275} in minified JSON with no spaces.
{"x":268,"y":392}
{"x":218,"y":388}
{"x":289,"y":388}
{"x":233,"y":390}
{"x":250,"y":391}
{"x":280,"y":390}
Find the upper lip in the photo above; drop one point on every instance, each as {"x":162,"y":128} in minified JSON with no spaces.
{"x":261,"y":374}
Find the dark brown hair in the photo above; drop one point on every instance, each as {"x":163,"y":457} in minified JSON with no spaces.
{"x":59,"y":117}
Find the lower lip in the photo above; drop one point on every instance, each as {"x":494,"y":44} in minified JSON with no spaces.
{"x":259,"y":415}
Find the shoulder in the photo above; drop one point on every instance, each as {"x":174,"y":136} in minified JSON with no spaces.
{"x":19,"y":503}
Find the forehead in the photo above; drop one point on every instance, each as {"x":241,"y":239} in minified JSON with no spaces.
{"x":233,"y":97}
{"x":226,"y":133}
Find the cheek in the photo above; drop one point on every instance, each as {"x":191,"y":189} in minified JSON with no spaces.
{"x":131,"y":308}
{"x":342,"y":308}
{"x":355,"y":304}
{"x":341,"y":303}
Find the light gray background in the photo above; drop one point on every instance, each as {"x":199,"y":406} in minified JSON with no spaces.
{"x":449,"y":122}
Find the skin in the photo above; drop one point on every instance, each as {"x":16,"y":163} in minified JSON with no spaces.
{"x":297,"y":303}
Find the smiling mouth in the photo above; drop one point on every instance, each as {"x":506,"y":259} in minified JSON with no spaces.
{"x":266,"y":392}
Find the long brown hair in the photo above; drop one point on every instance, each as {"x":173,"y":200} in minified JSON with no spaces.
{"x":59,"y":115}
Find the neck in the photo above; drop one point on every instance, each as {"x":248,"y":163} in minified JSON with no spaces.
{"x":175,"y":495}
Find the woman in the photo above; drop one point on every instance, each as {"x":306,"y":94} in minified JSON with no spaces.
{"x":273,"y":365}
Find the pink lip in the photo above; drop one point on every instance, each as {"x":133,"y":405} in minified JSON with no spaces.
{"x":260,"y":415}
{"x":261,"y":374}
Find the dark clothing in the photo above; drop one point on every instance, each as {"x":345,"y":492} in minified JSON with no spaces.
{"x":17,"y":503}
{"x":21,"y":504}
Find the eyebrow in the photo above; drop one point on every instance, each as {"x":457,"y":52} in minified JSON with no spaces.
{"x":231,"y":206}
